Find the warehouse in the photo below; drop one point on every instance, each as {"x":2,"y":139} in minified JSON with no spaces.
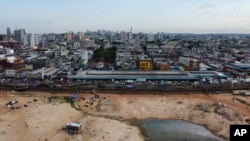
{"x":134,"y":75}
{"x":146,"y":75}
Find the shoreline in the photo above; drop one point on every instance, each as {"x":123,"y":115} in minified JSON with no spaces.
{"x":139,"y":124}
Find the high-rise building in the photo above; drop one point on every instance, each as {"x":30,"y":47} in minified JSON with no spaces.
{"x":37,"y":38}
{"x":130,"y":36}
{"x":19,"y":35}
{"x":158,"y":36}
{"x":124,"y":36}
{"x":112,"y":38}
{"x":80,"y":35}
{"x":8,"y":33}
{"x":25,"y":39}
{"x":150,"y":37}
{"x":31,"y":40}
{"x":69,"y":36}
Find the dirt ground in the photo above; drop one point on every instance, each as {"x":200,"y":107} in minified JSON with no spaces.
{"x":109,"y":117}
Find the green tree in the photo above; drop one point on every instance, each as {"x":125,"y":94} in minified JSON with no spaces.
{"x":110,"y":54}
{"x":98,"y":54}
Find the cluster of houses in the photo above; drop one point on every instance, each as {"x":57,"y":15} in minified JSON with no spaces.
{"x":69,"y":55}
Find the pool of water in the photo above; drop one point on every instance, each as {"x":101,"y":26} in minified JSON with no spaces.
{"x":177,"y":130}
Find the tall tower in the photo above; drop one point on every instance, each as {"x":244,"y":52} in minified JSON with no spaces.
{"x":19,"y":35}
{"x":80,"y":35}
{"x":123,"y":36}
{"x":32,"y":40}
{"x":130,"y":35}
{"x":8,"y":33}
{"x":150,"y":37}
{"x":112,"y":38}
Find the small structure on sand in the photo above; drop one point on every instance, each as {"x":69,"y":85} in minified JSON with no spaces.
{"x":72,"y":128}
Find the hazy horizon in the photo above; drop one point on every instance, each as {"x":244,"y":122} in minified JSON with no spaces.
{"x":179,"y":16}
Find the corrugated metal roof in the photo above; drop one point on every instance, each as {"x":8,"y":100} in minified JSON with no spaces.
{"x":131,"y":75}
{"x":92,"y":72}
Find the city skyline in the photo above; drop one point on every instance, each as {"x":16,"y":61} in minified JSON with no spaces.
{"x":193,"y":16}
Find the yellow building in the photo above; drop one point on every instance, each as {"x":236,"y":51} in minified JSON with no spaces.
{"x":145,"y":65}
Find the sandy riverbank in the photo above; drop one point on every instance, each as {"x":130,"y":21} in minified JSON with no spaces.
{"x":43,"y":120}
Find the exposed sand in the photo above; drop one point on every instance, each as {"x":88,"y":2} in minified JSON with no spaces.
{"x":43,"y":120}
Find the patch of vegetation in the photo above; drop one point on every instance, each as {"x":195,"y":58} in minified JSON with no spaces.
{"x":25,"y":94}
{"x":71,"y":102}
{"x":53,"y":98}
{"x":243,"y":101}
{"x":64,"y":100}
{"x":98,"y":54}
{"x":110,"y":54}
{"x":105,"y":54}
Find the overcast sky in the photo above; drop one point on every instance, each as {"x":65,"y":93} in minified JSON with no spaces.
{"x":173,"y":16}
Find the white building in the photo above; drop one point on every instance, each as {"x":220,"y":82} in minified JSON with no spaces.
{"x":31,"y":40}
{"x":151,"y":37}
{"x":25,"y":39}
{"x":2,"y":53}
{"x":186,"y":61}
{"x":112,"y":38}
{"x":123,"y":36}
{"x":80,"y":35}
{"x":37,"y":38}
{"x":130,"y":37}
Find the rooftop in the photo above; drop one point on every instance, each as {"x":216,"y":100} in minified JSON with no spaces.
{"x":72,"y":124}
{"x":134,"y":75}
{"x":241,"y":65}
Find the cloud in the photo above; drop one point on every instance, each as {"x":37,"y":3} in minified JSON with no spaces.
{"x":206,"y":6}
